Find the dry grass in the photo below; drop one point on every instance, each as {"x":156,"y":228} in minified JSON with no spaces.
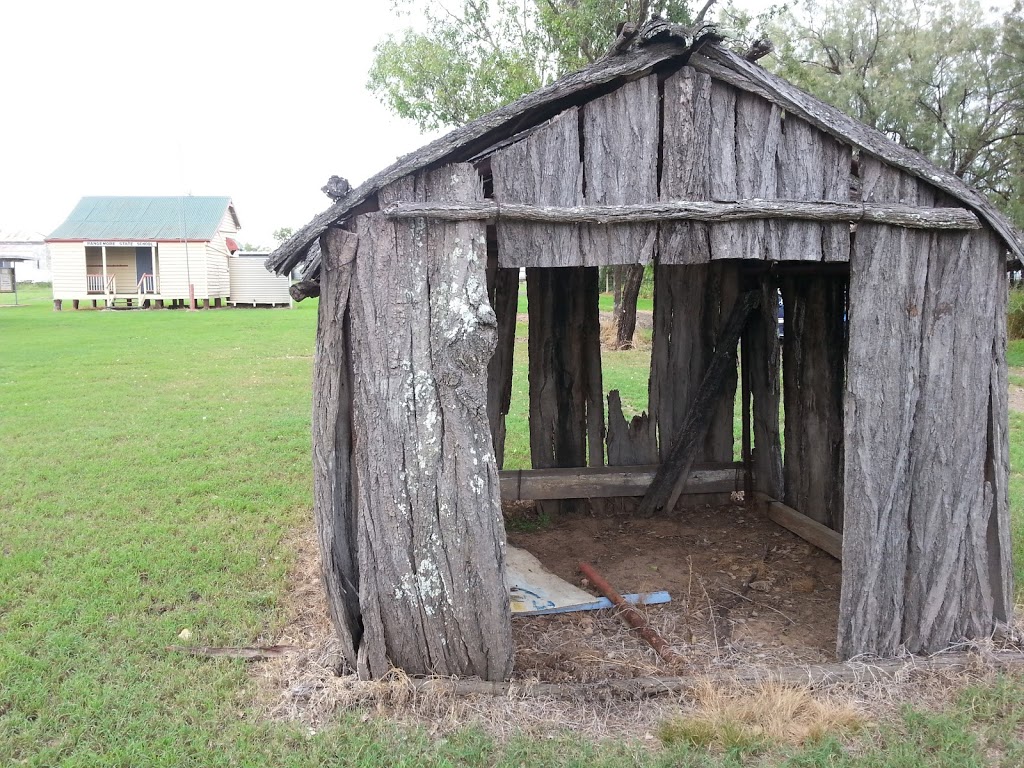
{"x":760,"y":717}
{"x":306,"y":687}
{"x":609,"y":336}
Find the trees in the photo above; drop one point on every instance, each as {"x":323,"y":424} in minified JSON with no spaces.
{"x":481,"y":54}
{"x":486,"y":53}
{"x":935,"y":75}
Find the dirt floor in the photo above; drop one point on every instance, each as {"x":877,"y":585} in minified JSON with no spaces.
{"x":746,"y":595}
{"x":743,"y":591}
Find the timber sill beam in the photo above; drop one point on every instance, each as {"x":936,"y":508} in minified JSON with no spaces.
{"x":811,"y":531}
{"x":610,"y":482}
{"x":907,"y":216}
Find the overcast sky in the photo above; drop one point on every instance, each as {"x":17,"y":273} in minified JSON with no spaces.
{"x":261,"y":102}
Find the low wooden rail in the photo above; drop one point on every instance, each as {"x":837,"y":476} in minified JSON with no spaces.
{"x":693,"y":210}
{"x":609,"y":482}
{"x":811,"y":531}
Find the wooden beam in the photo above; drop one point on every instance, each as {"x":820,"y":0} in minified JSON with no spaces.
{"x":609,"y":482}
{"x":909,"y":216}
{"x":868,"y":671}
{"x":668,"y":484}
{"x":811,"y":531}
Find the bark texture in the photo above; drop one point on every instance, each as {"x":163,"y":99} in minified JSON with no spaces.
{"x":814,"y":375}
{"x":566,"y":401}
{"x":431,"y":539}
{"x":686,"y":159}
{"x":710,"y":211}
{"x":924,"y":455}
{"x":745,"y":136}
{"x":503,"y":293}
{"x":542,"y":169}
{"x":765,"y":387}
{"x":812,"y":166}
{"x":334,"y":508}
{"x":691,"y":304}
{"x":620,"y":160}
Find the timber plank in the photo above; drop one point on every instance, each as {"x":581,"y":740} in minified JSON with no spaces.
{"x":956,"y":362}
{"x":609,"y":482}
{"x":503,"y":294}
{"x":993,"y":573}
{"x":630,"y":442}
{"x":686,"y":443}
{"x":620,"y":160}
{"x":808,"y":529}
{"x":564,"y":347}
{"x":762,"y":338}
{"x":888,"y":269}
{"x":811,"y":167}
{"x":542,"y":169}
{"x":686,"y":171}
{"x":691,"y":304}
{"x":814,"y":362}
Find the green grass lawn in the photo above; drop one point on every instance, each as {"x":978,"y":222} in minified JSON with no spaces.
{"x":153,"y":466}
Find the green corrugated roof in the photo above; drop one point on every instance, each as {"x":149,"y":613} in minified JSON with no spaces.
{"x":144,"y":218}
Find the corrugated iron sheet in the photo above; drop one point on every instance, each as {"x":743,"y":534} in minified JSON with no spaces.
{"x":143,"y":218}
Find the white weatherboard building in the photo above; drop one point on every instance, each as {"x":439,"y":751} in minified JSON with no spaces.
{"x":252,"y":284}
{"x":156,"y":249}
{"x":27,"y":253}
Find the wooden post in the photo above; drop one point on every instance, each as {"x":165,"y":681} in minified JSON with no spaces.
{"x":74,"y":303}
{"x":566,"y":402}
{"x":57,"y":305}
{"x":503,"y":294}
{"x":814,"y":375}
{"x":334,"y":509}
{"x":94,"y":303}
{"x":747,"y":449}
{"x":431,"y":541}
{"x":216,"y":302}
{"x":762,"y":336}
{"x":665,"y":490}
{"x":206,"y":303}
{"x":691,"y":304}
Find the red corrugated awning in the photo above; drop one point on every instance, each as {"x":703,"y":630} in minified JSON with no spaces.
{"x":232,"y":245}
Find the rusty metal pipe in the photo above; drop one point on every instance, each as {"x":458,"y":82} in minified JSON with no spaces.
{"x":631,"y":616}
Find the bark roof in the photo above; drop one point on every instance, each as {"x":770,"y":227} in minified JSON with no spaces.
{"x":469,"y":141}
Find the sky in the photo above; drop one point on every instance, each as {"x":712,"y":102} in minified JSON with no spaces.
{"x":258,"y":101}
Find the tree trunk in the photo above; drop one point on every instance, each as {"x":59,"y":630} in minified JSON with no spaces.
{"x":628,"y":279}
